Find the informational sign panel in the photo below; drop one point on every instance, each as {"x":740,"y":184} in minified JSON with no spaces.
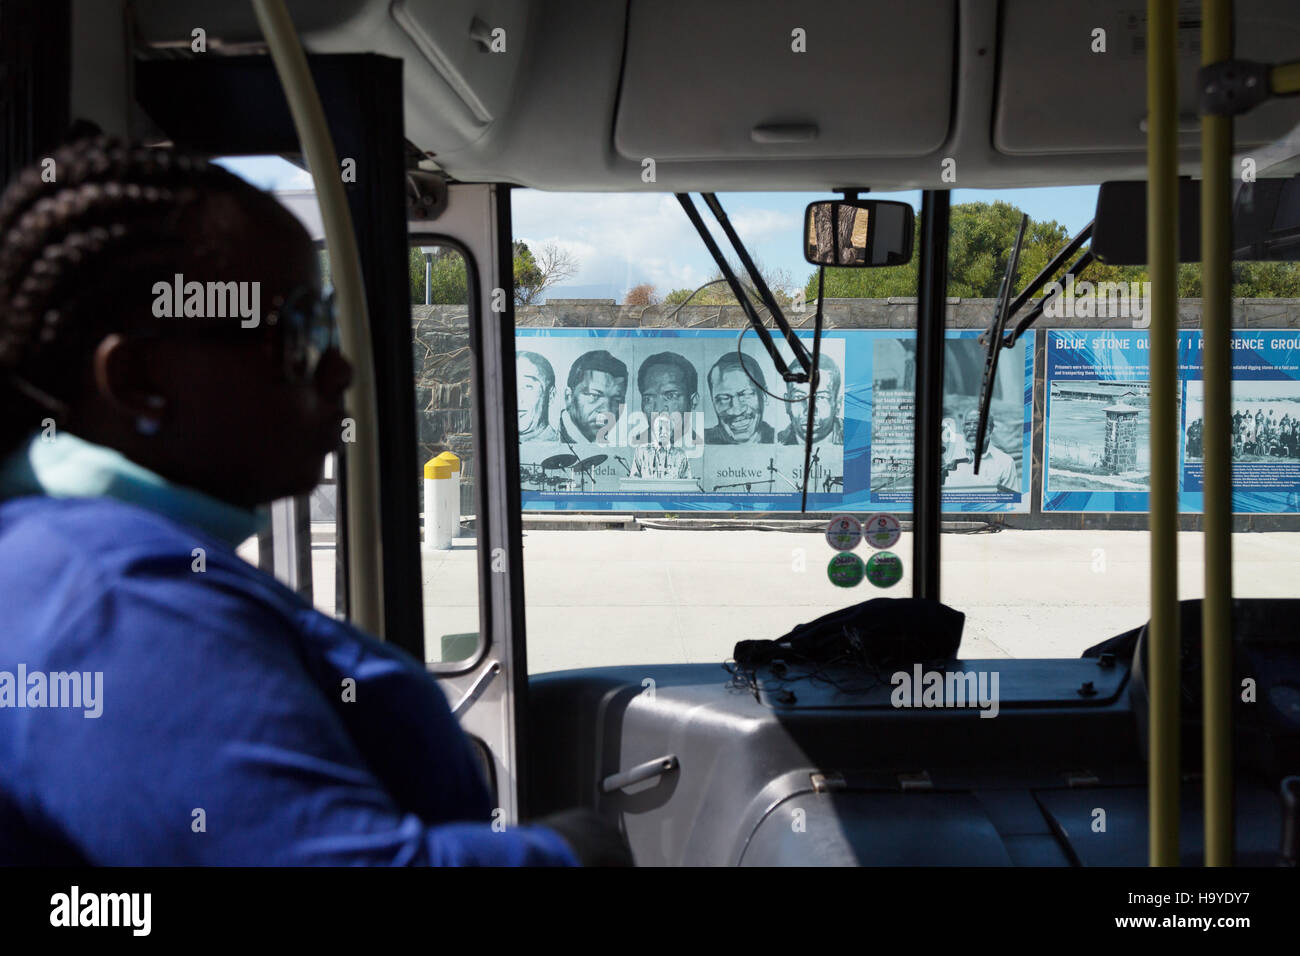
{"x":1098,"y":429}
{"x":699,"y":420}
{"x":1001,"y":481}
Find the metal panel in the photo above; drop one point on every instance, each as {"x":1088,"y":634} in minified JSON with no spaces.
{"x":1039,"y":108}
{"x":490,"y":696}
{"x":876,"y":829}
{"x":458,"y":37}
{"x":813,"y":81}
{"x":285,"y":550}
{"x":1122,"y":841}
{"x":737,"y":760}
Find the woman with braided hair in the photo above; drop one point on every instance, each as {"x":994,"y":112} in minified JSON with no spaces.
{"x":161,"y":701}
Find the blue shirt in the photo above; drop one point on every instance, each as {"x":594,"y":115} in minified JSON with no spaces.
{"x":207,"y":716}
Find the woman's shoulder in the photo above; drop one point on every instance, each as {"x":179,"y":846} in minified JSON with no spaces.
{"x":123,"y":552}
{"x":96,"y":525}
{"x":109,"y":545}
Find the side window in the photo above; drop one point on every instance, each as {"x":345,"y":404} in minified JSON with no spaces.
{"x":323,"y":507}
{"x":299,"y":545}
{"x":440,"y":329}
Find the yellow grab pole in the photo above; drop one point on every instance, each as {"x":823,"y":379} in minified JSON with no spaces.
{"x":1162,"y":261}
{"x":1284,"y":78}
{"x":1216,"y":291}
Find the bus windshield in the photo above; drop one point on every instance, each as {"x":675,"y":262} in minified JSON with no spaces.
{"x":648,"y":544}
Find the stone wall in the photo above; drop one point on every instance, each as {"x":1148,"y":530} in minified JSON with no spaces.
{"x":1120,"y":452}
{"x":444,"y":416}
{"x":442,"y":358}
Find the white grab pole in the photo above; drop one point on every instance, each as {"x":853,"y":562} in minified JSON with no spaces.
{"x":365,"y":578}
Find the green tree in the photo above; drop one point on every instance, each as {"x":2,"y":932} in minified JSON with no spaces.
{"x":527,"y":275}
{"x":1188,"y":277}
{"x":1250,"y":280}
{"x":718,"y":293}
{"x":534,"y":274}
{"x":981,"y":238}
{"x":1266,"y":280}
{"x":448,"y":277}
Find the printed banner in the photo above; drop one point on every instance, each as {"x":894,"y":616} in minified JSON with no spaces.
{"x":1098,"y":429}
{"x":698,"y":420}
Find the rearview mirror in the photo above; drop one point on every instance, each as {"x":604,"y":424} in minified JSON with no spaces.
{"x":1265,"y":222}
{"x":858,"y":233}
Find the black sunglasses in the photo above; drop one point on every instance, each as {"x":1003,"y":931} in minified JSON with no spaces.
{"x":300,"y":327}
{"x":308,"y":329}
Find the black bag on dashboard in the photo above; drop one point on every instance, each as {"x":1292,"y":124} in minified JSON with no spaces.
{"x":882,"y":632}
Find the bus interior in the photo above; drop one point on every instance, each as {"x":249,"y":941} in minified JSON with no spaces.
{"x":793,"y":749}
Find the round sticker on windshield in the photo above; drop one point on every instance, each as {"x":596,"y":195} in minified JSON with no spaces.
{"x":881,"y":530}
{"x":844,"y":532}
{"x":884,"y":569}
{"x":845,"y":570}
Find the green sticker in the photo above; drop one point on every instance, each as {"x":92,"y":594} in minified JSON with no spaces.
{"x":845,"y":570}
{"x":884,"y":569}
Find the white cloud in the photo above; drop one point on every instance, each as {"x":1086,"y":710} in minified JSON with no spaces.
{"x":623,"y":239}
{"x":758,"y":225}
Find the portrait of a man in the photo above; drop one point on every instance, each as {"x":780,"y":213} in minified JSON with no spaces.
{"x":996,"y":466}
{"x":659,"y":457}
{"x":669,"y":385}
{"x":593,"y":397}
{"x":735,"y":383}
{"x":828,"y":425}
{"x":535,"y":387}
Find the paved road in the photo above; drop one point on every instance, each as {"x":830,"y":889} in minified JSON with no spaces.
{"x":634,"y":597}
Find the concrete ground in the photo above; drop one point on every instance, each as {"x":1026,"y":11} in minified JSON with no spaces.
{"x":665,"y":596}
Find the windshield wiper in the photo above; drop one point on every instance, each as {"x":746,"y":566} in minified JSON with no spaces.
{"x":808,"y":363}
{"x":994,"y":341}
{"x":765,"y":294}
{"x":996,"y":337}
{"x":1040,"y":280}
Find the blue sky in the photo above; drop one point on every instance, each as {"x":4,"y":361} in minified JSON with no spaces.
{"x":622,"y":239}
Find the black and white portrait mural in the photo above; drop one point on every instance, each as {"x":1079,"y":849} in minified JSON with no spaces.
{"x":700,"y":419}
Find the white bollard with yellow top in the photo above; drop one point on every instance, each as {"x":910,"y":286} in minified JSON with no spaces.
{"x":453,"y":498}
{"x":441,"y":501}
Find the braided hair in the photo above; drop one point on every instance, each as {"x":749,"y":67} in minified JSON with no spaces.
{"x":79,"y":255}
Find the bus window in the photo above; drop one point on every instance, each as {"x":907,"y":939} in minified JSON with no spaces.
{"x":1069,"y":422}
{"x":444,"y":425}
{"x":308,"y":537}
{"x":1045,"y":547}
{"x":662,"y":456}
{"x":445,"y":435}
